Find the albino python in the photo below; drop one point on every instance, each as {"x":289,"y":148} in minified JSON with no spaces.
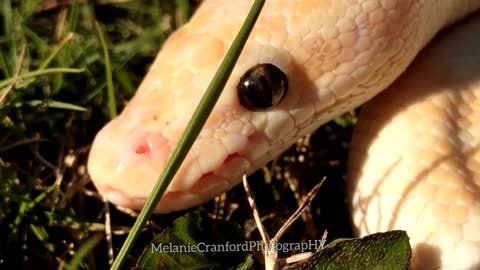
{"x":415,"y":159}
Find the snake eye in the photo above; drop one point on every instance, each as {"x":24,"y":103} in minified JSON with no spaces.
{"x":261,"y":87}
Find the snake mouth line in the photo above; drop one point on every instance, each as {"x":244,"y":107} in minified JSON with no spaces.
{"x":208,"y":186}
{"x":181,"y":194}
{"x":214,"y":164}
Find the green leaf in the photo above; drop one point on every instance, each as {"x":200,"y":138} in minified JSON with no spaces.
{"x":389,"y":251}
{"x":176,"y":247}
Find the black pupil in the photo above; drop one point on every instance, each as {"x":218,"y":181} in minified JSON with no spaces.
{"x":261,"y":87}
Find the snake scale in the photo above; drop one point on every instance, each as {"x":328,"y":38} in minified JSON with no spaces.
{"x":415,"y":158}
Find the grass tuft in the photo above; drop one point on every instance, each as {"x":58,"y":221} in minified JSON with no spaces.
{"x":57,"y":78}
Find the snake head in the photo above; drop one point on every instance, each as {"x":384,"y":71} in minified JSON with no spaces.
{"x":130,"y":152}
{"x":327,"y":60}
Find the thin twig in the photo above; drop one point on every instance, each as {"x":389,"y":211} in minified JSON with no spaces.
{"x":272,"y":262}
{"x":270,"y":251}
{"x":22,"y":142}
{"x":256,"y":215}
{"x":308,"y":200}
{"x":323,"y":241}
{"x":108,"y":232}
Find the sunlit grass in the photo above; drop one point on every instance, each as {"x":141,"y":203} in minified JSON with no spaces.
{"x":55,"y":72}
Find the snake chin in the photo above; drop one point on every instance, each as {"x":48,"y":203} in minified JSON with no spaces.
{"x":205,"y":189}
{"x":169,"y":202}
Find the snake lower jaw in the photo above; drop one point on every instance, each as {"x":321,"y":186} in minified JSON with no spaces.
{"x":206,"y":187}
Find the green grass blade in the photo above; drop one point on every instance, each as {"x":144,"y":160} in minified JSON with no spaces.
{"x":123,"y":80}
{"x":36,"y":73}
{"x":8,"y":30}
{"x":51,"y":104}
{"x":65,"y":106}
{"x":65,"y":58}
{"x":35,"y":41}
{"x":184,"y":10}
{"x":41,"y":233}
{"x":108,"y":71}
{"x":192,"y":130}
{"x":83,"y":252}
{"x":73,"y":17}
{"x":3,"y":65}
{"x":56,"y":51}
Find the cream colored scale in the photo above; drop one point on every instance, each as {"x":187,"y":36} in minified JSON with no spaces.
{"x":415,"y":155}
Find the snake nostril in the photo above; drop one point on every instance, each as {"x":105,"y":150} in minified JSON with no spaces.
{"x":143,"y":148}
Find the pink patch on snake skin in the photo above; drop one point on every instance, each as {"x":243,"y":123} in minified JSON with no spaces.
{"x":143,"y":148}
{"x":148,"y":143}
